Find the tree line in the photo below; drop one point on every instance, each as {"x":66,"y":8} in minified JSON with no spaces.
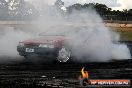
{"x":23,"y":10}
{"x":104,"y":11}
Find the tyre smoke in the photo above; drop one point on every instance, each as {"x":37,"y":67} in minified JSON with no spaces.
{"x":9,"y":39}
{"x":93,"y":42}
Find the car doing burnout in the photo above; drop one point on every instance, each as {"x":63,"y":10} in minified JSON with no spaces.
{"x":49,"y":45}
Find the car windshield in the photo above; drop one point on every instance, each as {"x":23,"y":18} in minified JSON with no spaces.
{"x":60,"y":31}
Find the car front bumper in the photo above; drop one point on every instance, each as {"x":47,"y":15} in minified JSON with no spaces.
{"x":39,"y":51}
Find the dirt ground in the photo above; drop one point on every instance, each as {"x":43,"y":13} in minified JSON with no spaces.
{"x":122,"y":29}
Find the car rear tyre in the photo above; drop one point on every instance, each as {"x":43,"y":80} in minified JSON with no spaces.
{"x":64,"y":54}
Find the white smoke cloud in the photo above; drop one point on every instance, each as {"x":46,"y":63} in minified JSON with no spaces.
{"x":95,"y":42}
{"x":91,"y":43}
{"x":9,"y":39}
{"x":47,"y":2}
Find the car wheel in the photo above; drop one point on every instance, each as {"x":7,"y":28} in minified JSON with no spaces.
{"x":64,"y":54}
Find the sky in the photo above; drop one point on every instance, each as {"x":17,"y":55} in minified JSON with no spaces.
{"x":124,"y":4}
{"x":114,"y":4}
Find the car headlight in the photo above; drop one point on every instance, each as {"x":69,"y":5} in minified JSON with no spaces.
{"x":21,"y":44}
{"x":46,"y":45}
